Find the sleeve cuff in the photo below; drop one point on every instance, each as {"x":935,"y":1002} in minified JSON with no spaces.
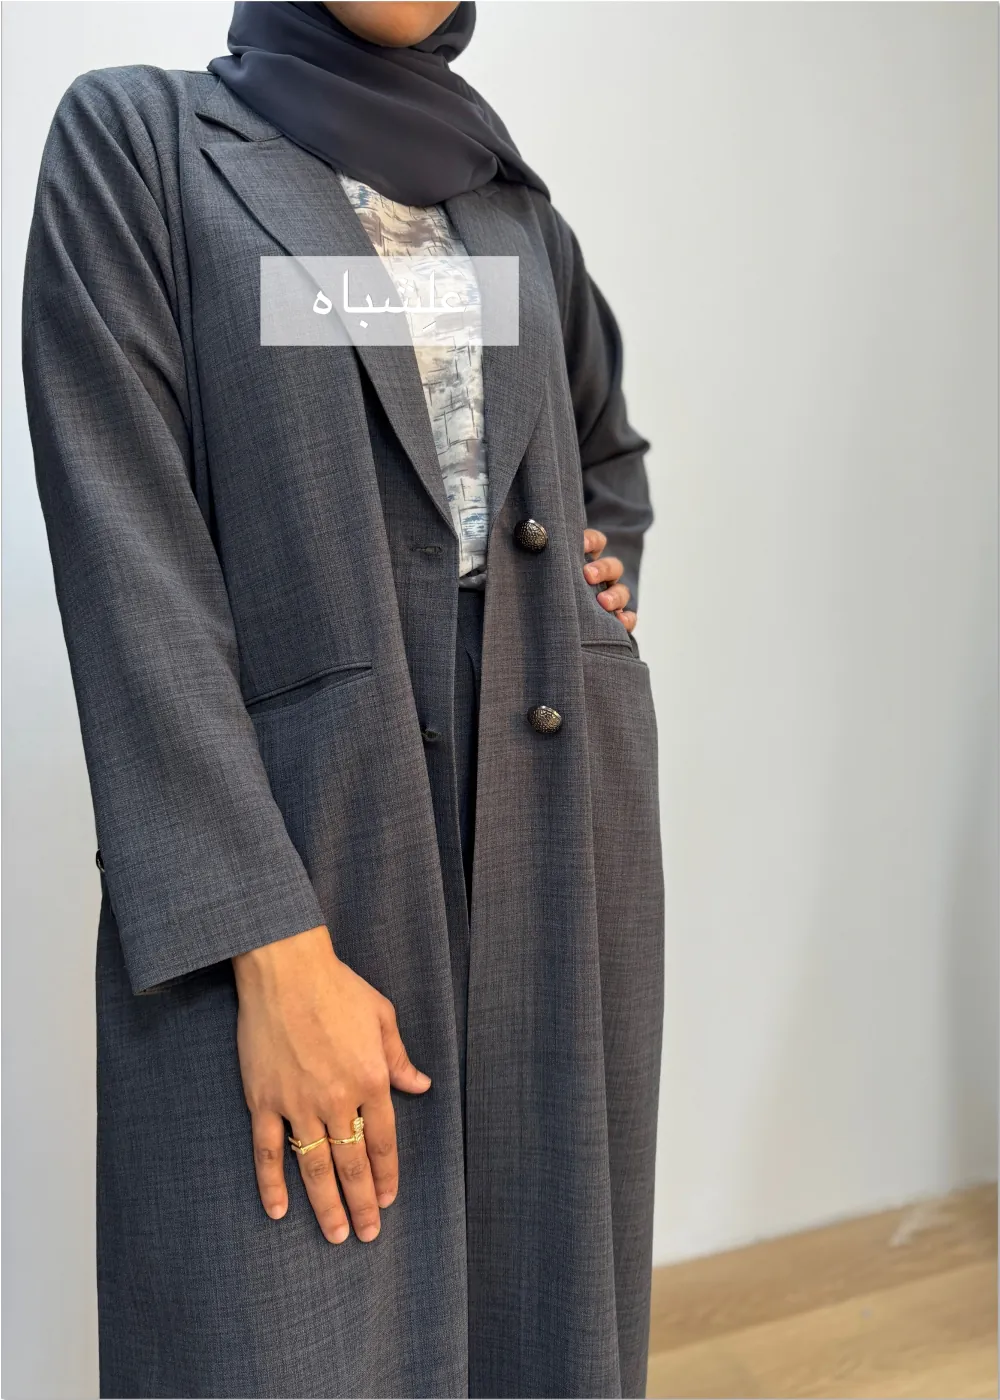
{"x":190,"y":940}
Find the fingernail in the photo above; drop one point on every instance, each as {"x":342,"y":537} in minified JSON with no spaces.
{"x":369,"y":1234}
{"x":592,"y":571}
{"x":341,"y":1233}
{"x":277,"y":1211}
{"x":387,"y":1198}
{"x":423,"y":1078}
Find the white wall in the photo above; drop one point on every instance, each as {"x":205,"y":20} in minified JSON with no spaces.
{"x":793,"y":210}
{"x":810,"y":192}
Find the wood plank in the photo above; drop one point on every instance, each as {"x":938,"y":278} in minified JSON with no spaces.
{"x":972,"y":1376}
{"x":704,"y":1298}
{"x":904,"y":1341}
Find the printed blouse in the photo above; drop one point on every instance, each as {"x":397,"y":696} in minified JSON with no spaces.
{"x":448,"y":347}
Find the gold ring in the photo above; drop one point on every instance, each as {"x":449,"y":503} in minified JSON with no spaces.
{"x":303,"y":1147}
{"x":358,"y":1135}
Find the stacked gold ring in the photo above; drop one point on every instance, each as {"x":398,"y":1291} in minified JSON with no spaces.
{"x":303,"y":1147}
{"x":357,"y":1135}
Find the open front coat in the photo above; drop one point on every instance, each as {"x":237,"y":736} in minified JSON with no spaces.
{"x":255,"y":565}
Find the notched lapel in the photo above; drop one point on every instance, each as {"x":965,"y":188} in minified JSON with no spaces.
{"x":513,"y":375}
{"x":300,"y":202}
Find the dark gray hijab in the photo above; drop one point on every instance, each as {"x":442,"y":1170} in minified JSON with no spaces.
{"x":397,"y":118}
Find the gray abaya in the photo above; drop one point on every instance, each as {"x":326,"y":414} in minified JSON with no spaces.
{"x":258,"y":752}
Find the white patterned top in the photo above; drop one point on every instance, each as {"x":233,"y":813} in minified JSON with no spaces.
{"x":449,"y":356}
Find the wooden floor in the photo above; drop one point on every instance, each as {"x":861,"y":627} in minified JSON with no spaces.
{"x":901,"y":1304}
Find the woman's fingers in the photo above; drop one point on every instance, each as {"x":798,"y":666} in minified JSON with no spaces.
{"x":316,"y":1167}
{"x":609,"y":570}
{"x":380,"y":1144}
{"x":355,"y":1174}
{"x":268,"y":1131}
{"x":613,"y":599}
{"x":402,"y":1074}
{"x":593,"y":542}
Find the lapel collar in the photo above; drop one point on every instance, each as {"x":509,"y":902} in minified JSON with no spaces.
{"x":513,"y":375}
{"x":301,"y":203}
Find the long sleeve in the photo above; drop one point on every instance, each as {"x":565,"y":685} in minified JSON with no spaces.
{"x":615,"y":486}
{"x":198,"y":863}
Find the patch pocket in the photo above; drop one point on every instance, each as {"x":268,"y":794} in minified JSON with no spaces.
{"x":288,"y":696}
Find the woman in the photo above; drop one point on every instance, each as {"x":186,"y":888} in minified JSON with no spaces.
{"x":299,"y":704}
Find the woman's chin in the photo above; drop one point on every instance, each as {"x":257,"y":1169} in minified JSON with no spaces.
{"x":395,"y":26}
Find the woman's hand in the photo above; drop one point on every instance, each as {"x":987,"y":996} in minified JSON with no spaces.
{"x":318,"y":1045}
{"x":611,"y":569}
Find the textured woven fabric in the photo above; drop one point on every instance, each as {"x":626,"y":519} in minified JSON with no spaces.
{"x":468,"y":673}
{"x":256,"y":565}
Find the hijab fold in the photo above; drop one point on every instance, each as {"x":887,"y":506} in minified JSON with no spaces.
{"x":396,"y":118}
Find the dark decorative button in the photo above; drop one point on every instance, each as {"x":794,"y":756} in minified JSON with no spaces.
{"x":429,"y":736}
{"x":544,"y":719}
{"x":100,"y":863}
{"x":531,"y":535}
